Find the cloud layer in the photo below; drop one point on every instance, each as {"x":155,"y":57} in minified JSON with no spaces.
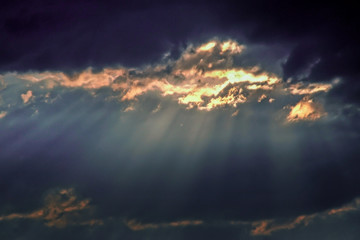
{"x":204,"y":77}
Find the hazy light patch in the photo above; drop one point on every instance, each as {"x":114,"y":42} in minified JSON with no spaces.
{"x":3,"y":114}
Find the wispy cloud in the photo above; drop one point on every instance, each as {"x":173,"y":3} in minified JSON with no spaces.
{"x":258,"y":228}
{"x":136,"y":226}
{"x":61,"y":208}
{"x":267,"y":227}
{"x":64,"y":208}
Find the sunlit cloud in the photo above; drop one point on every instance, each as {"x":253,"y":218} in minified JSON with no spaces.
{"x":235,"y":113}
{"x":231,"y":46}
{"x":64,"y":208}
{"x":27,"y":96}
{"x":61,"y":208}
{"x":129,"y":108}
{"x":86,"y":79}
{"x":258,"y":228}
{"x":158,"y":107}
{"x":262,"y":97}
{"x":267,"y":227}
{"x":3,"y":114}
{"x":137,"y":226}
{"x":204,"y":77}
{"x":353,"y":206}
{"x":309,"y":88}
{"x":306,"y":110}
{"x":207,"y":47}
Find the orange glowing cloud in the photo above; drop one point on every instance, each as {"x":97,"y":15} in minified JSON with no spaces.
{"x":61,"y":208}
{"x":27,"y":96}
{"x":266,"y":227}
{"x":196,"y":79}
{"x":86,"y":79}
{"x":137,"y":226}
{"x":258,"y":228}
{"x":306,"y":110}
{"x":2,"y":114}
{"x":353,"y":206}
{"x":310,"y":88}
{"x":200,"y":78}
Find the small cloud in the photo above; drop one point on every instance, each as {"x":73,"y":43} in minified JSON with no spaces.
{"x":137,"y":226}
{"x":306,"y":110}
{"x":266,"y":227}
{"x":158,"y":107}
{"x":129,"y":108}
{"x":36,"y":112}
{"x":262,"y":97}
{"x":309,"y":88}
{"x":235,"y":113}
{"x":3,"y":114}
{"x":27,"y":96}
{"x":353,"y":206}
{"x":206,"y":47}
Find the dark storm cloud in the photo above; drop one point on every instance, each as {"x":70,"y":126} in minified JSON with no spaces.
{"x":73,"y":35}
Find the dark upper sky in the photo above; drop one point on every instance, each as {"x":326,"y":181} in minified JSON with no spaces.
{"x":72,"y":35}
{"x":181,"y":120}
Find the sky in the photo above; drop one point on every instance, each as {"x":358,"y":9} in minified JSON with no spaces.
{"x":179,"y":120}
